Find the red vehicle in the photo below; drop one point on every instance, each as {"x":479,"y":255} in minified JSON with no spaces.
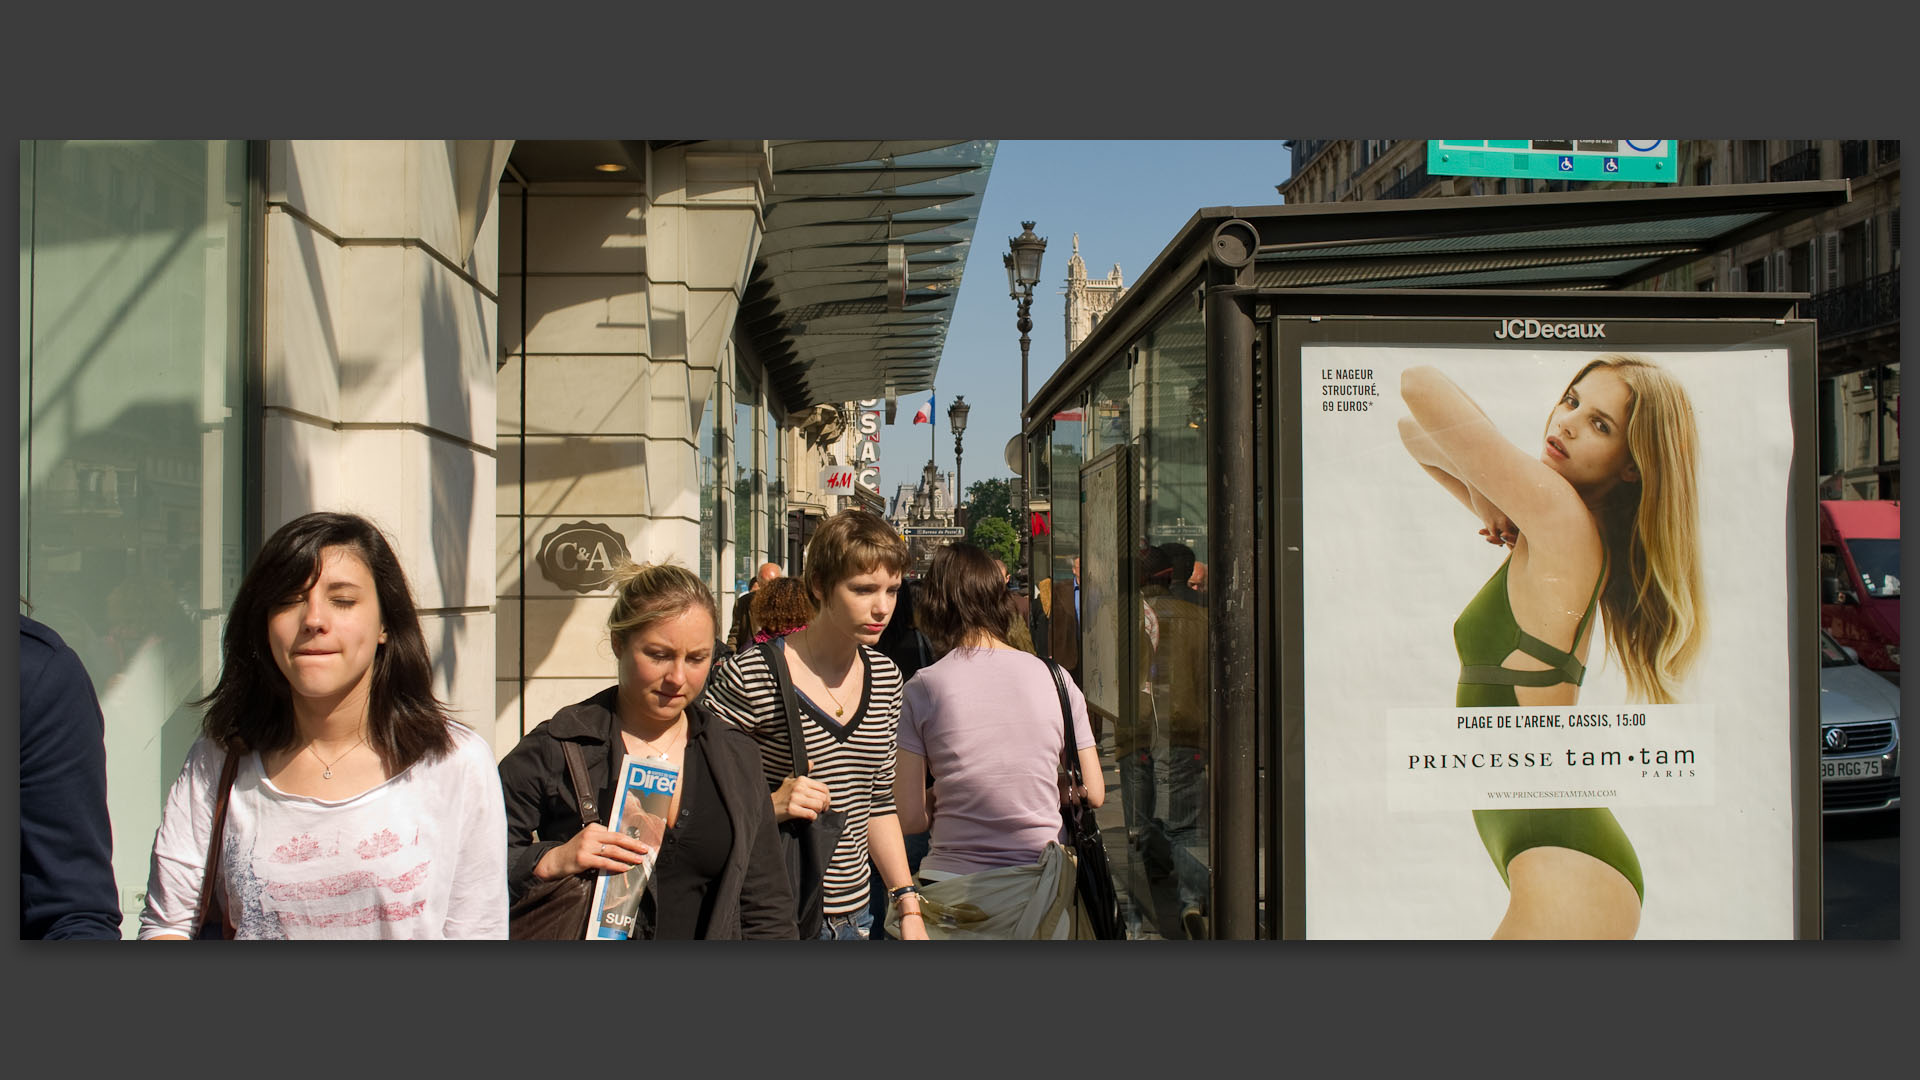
{"x":1860,"y":578}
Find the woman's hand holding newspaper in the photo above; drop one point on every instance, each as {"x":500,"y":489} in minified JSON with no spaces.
{"x":594,"y":847}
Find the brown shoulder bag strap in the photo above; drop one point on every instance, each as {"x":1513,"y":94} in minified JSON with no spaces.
{"x":210,"y":878}
{"x":582,"y":788}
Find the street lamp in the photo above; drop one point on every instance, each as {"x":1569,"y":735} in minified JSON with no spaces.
{"x":1023,"y":273}
{"x":957,"y":418}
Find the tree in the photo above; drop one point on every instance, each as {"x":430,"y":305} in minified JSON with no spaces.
{"x":988,"y":499}
{"x":999,"y":540}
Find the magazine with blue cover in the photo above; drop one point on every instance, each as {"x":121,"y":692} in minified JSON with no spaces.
{"x":640,"y":809}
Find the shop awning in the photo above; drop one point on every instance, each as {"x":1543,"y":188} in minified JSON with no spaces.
{"x":817,"y":308}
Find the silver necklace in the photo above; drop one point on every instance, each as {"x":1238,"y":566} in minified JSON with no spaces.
{"x":665,"y":755}
{"x":327,"y":767}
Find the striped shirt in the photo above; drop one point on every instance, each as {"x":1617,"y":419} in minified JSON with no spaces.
{"x":853,"y":758}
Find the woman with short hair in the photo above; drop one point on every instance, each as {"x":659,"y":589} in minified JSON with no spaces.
{"x":848,"y":693}
{"x":359,"y":808}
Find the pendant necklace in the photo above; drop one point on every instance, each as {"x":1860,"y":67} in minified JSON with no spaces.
{"x":838,"y":708}
{"x":326,"y":766}
{"x":664,"y":754}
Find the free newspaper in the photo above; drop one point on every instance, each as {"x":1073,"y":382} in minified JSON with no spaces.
{"x":639,"y":810}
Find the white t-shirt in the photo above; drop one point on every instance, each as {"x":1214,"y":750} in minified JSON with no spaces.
{"x":422,"y":855}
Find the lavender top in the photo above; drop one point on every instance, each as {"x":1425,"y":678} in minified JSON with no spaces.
{"x":988,"y":723}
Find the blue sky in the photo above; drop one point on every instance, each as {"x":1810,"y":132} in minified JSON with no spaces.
{"x":1126,"y":199}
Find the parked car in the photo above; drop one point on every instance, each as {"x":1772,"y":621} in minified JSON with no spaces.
{"x":1860,"y":578}
{"x":1859,"y":734}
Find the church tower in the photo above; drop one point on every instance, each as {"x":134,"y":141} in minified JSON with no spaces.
{"x":1088,"y":300}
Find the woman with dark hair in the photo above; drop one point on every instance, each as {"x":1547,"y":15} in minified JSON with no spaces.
{"x":356,"y":806}
{"x":719,"y":872}
{"x":986,"y":719}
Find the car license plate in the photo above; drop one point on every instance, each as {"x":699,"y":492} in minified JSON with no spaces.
{"x":1859,"y":769}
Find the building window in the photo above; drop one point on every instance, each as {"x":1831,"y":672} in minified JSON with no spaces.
{"x":1703,"y":172}
{"x":1755,"y":274}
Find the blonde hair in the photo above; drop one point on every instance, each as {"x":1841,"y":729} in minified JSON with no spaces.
{"x":1655,"y":613}
{"x":647,"y":593}
{"x":851,"y":543}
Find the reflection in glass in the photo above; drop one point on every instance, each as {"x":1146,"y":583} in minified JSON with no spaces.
{"x":1162,"y":752}
{"x":134,"y":261}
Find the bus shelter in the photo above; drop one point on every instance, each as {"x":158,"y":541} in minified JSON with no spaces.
{"x":1265,"y":578}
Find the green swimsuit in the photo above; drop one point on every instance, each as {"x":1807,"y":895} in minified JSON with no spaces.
{"x":1484,"y":635}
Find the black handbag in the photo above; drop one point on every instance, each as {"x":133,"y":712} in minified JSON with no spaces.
{"x":557,"y":910}
{"x":1099,"y":900}
{"x":807,"y":845}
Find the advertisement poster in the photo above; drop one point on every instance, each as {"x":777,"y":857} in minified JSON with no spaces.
{"x":1643,"y":793}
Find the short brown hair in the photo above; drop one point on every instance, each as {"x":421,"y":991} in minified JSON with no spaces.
{"x":851,"y":543}
{"x":644,"y":594}
{"x":963,"y":596}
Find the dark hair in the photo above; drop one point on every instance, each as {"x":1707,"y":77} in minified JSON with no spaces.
{"x":781,"y":606}
{"x":963,"y":596}
{"x":1182,"y":559}
{"x":902,"y":641}
{"x":251,"y":707}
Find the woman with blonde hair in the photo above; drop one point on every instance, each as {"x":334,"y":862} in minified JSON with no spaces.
{"x":1604,"y":517}
{"x":719,"y":872}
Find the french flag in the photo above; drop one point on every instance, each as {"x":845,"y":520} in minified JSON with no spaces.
{"x":925,"y":415}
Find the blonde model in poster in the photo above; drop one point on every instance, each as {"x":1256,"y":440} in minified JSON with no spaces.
{"x":1604,"y":517}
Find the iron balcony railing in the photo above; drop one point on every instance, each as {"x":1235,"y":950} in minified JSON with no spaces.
{"x":1856,"y":158}
{"x":1861,"y":306}
{"x":1804,"y":165}
{"x":1408,"y":185}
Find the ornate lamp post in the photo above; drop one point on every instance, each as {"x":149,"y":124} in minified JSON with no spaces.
{"x":1023,"y":273}
{"x":957,"y":419}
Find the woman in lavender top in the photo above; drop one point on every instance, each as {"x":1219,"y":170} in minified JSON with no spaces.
{"x":985,"y":720}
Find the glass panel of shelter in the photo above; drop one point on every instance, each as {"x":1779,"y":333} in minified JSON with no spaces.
{"x":1163,"y":758}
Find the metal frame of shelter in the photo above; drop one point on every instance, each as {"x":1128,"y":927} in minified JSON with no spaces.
{"x":1250,"y":270}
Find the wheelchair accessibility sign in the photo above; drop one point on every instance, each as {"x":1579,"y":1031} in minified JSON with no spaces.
{"x":1641,"y":160}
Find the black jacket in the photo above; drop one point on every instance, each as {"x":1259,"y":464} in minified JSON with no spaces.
{"x":754,"y":900}
{"x":66,"y":840}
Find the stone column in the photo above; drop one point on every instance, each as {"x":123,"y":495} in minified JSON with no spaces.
{"x":380,"y":317}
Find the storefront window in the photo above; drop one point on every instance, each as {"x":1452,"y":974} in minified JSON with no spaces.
{"x":745,"y":404}
{"x":134,"y":259}
{"x":709,"y":524}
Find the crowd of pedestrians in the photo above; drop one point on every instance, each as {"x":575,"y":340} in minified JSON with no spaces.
{"x":903,"y":732}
